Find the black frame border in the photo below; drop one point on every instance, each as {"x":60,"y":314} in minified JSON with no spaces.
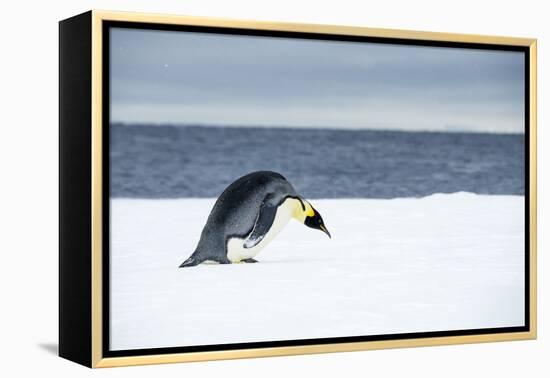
{"x":107,"y":25}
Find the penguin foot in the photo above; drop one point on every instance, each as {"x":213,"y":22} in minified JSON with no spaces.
{"x":249,"y":261}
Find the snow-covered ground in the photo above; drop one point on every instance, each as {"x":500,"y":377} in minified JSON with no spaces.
{"x":442,"y":262}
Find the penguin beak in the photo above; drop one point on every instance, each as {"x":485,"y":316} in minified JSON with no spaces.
{"x":324,"y":229}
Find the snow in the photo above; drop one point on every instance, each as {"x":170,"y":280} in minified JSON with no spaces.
{"x":443,"y":262}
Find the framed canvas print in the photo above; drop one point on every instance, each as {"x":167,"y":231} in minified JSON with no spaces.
{"x":235,"y":189}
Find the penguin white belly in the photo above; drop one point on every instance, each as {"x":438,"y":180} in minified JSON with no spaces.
{"x":235,"y":246}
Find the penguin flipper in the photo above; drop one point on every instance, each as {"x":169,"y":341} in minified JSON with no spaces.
{"x":263,"y":223}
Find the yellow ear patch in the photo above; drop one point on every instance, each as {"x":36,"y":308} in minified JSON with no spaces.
{"x":309,"y":210}
{"x":298,"y":212}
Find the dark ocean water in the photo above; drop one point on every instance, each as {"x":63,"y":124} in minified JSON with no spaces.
{"x":195,"y":161}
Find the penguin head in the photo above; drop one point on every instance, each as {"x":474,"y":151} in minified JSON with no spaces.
{"x":314,"y":220}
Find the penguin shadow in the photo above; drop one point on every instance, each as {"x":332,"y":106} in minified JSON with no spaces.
{"x":215,"y":265}
{"x":207,"y":265}
{"x":51,"y":348}
{"x":260,"y":263}
{"x":292,"y":261}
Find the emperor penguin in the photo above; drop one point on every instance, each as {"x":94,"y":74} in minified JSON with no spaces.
{"x":248,"y":215}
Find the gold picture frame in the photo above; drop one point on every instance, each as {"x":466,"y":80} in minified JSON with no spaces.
{"x":83,"y":340}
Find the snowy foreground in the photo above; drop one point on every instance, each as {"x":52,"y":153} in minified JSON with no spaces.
{"x":442,"y":262}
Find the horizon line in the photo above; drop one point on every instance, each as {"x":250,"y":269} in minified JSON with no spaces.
{"x":309,"y":127}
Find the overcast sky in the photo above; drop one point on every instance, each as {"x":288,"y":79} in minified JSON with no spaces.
{"x":212,"y":79}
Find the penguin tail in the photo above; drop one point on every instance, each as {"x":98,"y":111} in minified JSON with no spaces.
{"x":191,"y":261}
